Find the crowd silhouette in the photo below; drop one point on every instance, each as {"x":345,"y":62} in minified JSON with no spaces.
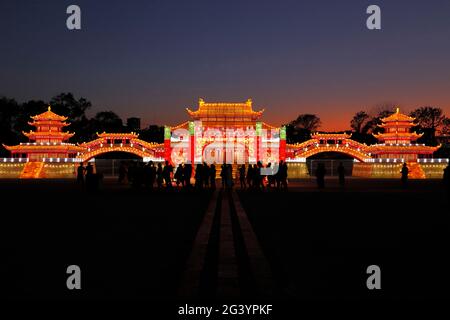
{"x":249,"y":177}
{"x":87,"y":178}
{"x":203,"y":176}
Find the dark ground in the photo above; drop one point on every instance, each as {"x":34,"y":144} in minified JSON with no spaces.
{"x":319,"y":243}
{"x":128,"y":244}
{"x":133,"y":244}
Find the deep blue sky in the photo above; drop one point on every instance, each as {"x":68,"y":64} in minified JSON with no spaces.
{"x":152,"y":59}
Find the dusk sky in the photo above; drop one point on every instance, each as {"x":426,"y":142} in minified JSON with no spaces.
{"x":152,"y":59}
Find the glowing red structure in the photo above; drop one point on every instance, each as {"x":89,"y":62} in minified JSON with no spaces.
{"x":231,"y":124}
{"x":225,"y":132}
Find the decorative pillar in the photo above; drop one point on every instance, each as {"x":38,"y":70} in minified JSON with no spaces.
{"x":191,"y":154}
{"x":167,"y":146}
{"x":258,"y":141}
{"x":282,"y":151}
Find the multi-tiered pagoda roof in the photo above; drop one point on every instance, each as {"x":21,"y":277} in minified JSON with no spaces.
{"x":397,"y":139}
{"x":48,"y":140}
{"x":397,"y":129}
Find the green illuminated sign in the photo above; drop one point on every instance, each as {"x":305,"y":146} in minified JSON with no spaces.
{"x":258,"y":128}
{"x":191,"y":127}
{"x":167,"y":133}
{"x":283,"y":133}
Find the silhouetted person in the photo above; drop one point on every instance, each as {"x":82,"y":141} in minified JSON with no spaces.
{"x":277,"y":176}
{"x":257,"y":177}
{"x":187,"y":175}
{"x":242,"y":177}
{"x":283,"y":175}
{"x":271,"y":175}
{"x":229,"y":176}
{"x":146,"y":175}
{"x":212,"y":176}
{"x":80,"y":174}
{"x":179,"y":175}
{"x":341,"y":174}
{"x":223,"y":174}
{"x":90,"y":178}
{"x":152,"y":174}
{"x":320,"y":175}
{"x":159,"y":176}
{"x":167,"y":172}
{"x":199,"y":176}
{"x":248,"y":176}
{"x":404,"y":173}
{"x":205,"y":175}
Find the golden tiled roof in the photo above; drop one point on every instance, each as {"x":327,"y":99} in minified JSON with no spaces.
{"x":129,"y":135}
{"x":397,"y":116}
{"x":184,"y":125}
{"x":49,"y":115}
{"x":400,"y":148}
{"x":48,"y":123}
{"x":33,"y":135}
{"x":225,"y":111}
{"x":319,"y":135}
{"x":393,"y":135}
{"x":397,"y":120}
{"x":50,"y":147}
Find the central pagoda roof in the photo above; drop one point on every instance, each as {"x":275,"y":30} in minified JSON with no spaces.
{"x":225,"y":111}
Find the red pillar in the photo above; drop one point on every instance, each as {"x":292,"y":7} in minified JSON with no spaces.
{"x":282,"y":151}
{"x":258,"y":141}
{"x":191,"y":141}
{"x":167,"y":147}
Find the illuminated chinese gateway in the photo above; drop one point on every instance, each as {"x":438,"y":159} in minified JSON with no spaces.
{"x":223,"y":132}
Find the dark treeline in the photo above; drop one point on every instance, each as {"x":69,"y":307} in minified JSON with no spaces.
{"x":14,"y":118}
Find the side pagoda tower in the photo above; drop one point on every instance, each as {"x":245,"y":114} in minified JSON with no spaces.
{"x":396,"y":142}
{"x":47,"y":141}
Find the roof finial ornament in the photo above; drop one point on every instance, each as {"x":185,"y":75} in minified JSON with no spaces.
{"x":397,"y":110}
{"x":49,"y":108}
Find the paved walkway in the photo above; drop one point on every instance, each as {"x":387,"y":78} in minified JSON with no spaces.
{"x":226,"y":260}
